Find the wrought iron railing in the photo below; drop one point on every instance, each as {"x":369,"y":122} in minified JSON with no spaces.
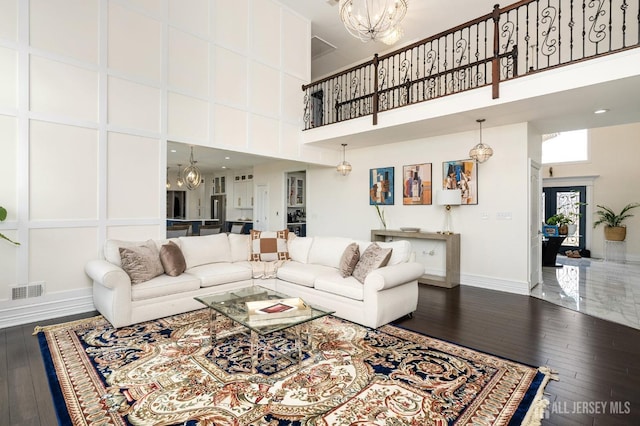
{"x":525,"y":37}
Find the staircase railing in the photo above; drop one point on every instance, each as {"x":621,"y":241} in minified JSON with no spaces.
{"x":526,"y":37}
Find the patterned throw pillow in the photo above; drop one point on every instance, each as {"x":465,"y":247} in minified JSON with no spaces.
{"x":349,"y":260}
{"x":374,"y":257}
{"x":172,"y":259}
{"x":269,"y":245}
{"x":141,"y":263}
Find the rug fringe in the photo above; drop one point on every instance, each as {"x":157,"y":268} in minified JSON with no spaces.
{"x":536,"y":411}
{"x":42,"y":328}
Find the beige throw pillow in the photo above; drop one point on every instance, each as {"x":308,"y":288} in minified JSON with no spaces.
{"x":141,"y":263}
{"x":374,"y":257}
{"x":349,"y":260}
{"x":172,"y":259}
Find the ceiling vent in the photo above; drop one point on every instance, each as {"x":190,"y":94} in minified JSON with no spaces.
{"x":320,"y":47}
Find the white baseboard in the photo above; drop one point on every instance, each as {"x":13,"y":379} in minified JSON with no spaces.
{"x":516,"y":287}
{"x":53,"y":305}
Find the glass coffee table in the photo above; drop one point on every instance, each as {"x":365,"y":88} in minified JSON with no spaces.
{"x":228,"y":315}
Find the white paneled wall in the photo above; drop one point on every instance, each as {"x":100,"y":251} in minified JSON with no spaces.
{"x":90,"y":92}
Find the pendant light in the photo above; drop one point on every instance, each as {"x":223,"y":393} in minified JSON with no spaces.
{"x":481,"y":152}
{"x":192,"y":175}
{"x":168,"y":183}
{"x":344,"y":168}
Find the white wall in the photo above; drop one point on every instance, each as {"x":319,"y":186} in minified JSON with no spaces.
{"x":494,"y":252}
{"x":90,"y":92}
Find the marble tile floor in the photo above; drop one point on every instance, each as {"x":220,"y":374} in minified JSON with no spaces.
{"x":603,"y":289}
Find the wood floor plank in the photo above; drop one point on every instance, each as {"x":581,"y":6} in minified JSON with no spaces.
{"x":4,"y":379}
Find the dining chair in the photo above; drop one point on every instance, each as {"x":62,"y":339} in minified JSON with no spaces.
{"x":175,"y":231}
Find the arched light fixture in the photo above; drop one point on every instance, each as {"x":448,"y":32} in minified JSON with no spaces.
{"x":481,"y":152}
{"x":191,"y":173}
{"x":344,"y":168}
{"x":179,"y":179}
{"x":372,"y":19}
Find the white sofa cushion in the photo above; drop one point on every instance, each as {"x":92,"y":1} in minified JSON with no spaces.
{"x":300,"y":273}
{"x":221,"y":273}
{"x":335,"y":284}
{"x":328,"y":251}
{"x":206,"y":249}
{"x":299,"y":248}
{"x":401,"y":251}
{"x":240,"y":247}
{"x":164,"y":285}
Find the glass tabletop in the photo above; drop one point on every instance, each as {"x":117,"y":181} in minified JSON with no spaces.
{"x":233,"y":305}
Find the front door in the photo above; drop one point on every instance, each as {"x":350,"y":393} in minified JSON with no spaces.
{"x":570,"y":200}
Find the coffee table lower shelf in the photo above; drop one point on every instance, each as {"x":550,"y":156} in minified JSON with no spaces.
{"x":228,"y":316}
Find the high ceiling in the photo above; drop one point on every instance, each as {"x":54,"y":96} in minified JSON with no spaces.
{"x":424,"y":18}
{"x":568,"y":110}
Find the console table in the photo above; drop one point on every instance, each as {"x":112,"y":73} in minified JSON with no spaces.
{"x":452,"y":254}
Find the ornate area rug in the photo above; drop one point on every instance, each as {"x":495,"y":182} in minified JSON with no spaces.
{"x":165,"y":372}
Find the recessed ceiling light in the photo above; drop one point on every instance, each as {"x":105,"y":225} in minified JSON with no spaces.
{"x":173,"y":150}
{"x":224,"y":167}
{"x":227,"y":158}
{"x":600,"y":111}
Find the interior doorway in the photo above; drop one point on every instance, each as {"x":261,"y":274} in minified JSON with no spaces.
{"x":571,"y":201}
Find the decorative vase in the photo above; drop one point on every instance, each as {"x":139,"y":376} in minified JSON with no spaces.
{"x":572,"y":229}
{"x":615,"y":233}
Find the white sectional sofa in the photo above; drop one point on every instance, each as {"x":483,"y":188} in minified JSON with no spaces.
{"x":218,"y":263}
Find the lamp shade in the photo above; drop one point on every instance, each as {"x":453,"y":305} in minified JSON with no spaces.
{"x":449,"y":197}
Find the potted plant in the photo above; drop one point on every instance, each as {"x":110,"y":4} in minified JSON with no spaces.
{"x":3,"y":216}
{"x":614,"y":230}
{"x":562,"y":221}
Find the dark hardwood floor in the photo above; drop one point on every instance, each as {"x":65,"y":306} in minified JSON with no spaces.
{"x":598,"y":362}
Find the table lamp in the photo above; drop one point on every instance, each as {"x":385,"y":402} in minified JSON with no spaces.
{"x":448,"y":198}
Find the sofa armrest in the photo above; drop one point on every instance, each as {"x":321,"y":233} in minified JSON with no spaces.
{"x":393,"y":276}
{"x":107,"y":274}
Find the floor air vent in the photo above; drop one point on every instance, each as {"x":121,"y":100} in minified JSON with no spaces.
{"x":27,"y":291}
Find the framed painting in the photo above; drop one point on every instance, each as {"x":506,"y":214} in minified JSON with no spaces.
{"x":416,"y":184}
{"x":381,"y":186}
{"x":462,"y":175}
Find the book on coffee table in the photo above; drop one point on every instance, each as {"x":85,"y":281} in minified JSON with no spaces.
{"x":268,"y":310}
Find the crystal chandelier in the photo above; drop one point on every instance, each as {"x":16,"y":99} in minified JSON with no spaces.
{"x":191,"y":173}
{"x":344,"y":168}
{"x":373,"y":19}
{"x":481,"y":152}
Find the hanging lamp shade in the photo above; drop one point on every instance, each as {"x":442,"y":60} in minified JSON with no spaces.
{"x":372,"y":19}
{"x":191,"y":173}
{"x":344,"y":168}
{"x":481,"y":152}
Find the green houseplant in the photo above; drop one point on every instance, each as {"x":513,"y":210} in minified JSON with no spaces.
{"x":614,"y":230}
{"x":562,"y":221}
{"x":3,"y":216}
